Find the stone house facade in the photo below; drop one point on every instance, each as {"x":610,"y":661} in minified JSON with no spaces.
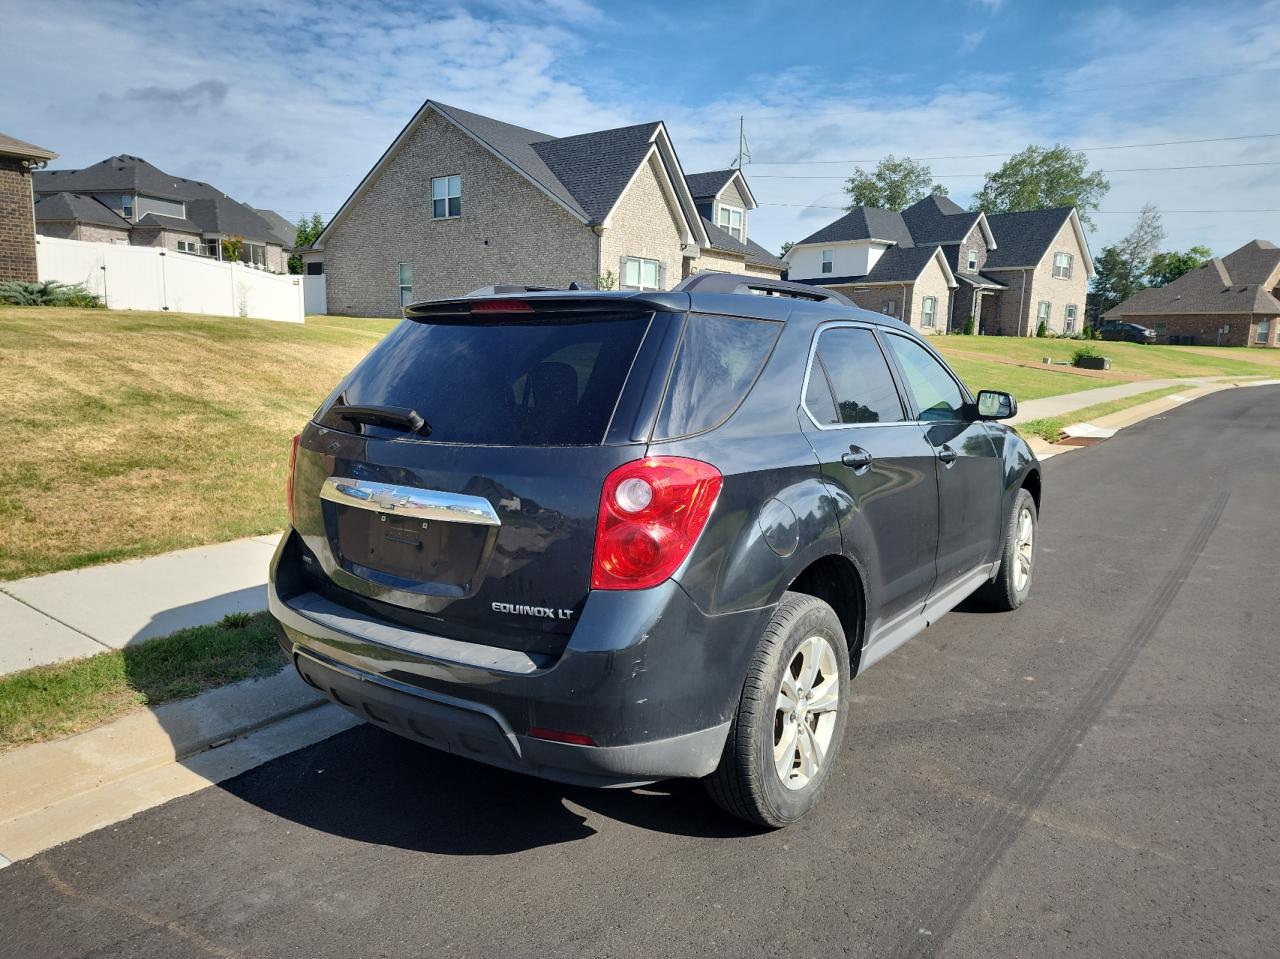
{"x":461,"y":201}
{"x":126,"y":199}
{"x":17,"y":218}
{"x":1230,"y":301}
{"x":1008,"y":271}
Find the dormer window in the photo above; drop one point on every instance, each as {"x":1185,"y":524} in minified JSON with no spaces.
{"x":973,"y":261}
{"x":446,"y":197}
{"x":731,"y":221}
{"x":126,"y":206}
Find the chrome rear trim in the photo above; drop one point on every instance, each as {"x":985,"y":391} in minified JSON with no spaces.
{"x":426,"y":504}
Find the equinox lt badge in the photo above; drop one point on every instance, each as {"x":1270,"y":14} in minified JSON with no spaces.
{"x":545,"y":612}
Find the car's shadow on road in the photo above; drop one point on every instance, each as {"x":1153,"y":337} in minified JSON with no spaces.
{"x":375,"y":787}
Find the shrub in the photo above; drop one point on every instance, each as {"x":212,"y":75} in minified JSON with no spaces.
{"x":968,"y":327}
{"x":1083,"y":353}
{"x":1042,"y":330}
{"x":47,"y":293}
{"x":606,"y":280}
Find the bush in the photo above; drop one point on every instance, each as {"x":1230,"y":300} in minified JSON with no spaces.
{"x":1042,"y":330}
{"x":1083,"y":353}
{"x":968,"y":327}
{"x":48,"y":293}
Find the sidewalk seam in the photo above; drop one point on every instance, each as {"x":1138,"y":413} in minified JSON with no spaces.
{"x":54,"y":619}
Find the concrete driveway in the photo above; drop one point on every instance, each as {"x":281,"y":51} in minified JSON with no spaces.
{"x":1095,"y":775}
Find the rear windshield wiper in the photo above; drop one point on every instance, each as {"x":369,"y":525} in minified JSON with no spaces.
{"x":393,"y":417}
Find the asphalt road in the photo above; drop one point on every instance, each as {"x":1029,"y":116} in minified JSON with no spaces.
{"x":1095,"y":775}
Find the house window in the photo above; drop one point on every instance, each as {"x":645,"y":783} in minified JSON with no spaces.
{"x":315,"y":268}
{"x":928,"y":312}
{"x":891,"y":307}
{"x":256,"y":254}
{"x":188,"y":246}
{"x":640,"y":274}
{"x":1161,"y":327}
{"x":126,"y":206}
{"x":1062,"y":266}
{"x":973,"y":261}
{"x":1264,"y":331}
{"x":406,"y":284}
{"x":446,"y":197}
{"x":213,"y":248}
{"x":1042,"y":314}
{"x":731,"y":221}
{"x":1069,"y":320}
{"x":828,"y":259}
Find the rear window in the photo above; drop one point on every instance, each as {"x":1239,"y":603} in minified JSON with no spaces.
{"x":499,"y":382}
{"x":720,"y":357}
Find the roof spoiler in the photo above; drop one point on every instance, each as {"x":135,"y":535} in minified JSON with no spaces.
{"x":759,"y":286}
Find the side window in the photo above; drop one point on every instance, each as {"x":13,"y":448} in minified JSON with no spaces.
{"x":858,"y":381}
{"x":719,"y":359}
{"x":932,"y":388}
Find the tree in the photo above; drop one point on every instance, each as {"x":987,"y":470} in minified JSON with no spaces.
{"x":232,"y":247}
{"x":1121,"y":269}
{"x":308,"y":230}
{"x":1041,"y":178}
{"x":786,"y":247}
{"x":893,"y":185}
{"x":1168,"y":266}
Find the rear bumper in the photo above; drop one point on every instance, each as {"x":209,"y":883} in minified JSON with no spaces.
{"x":647,"y":676}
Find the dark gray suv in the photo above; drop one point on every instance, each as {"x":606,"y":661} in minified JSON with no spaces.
{"x":611,"y":538}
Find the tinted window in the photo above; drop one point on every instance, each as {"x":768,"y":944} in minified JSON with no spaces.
{"x":817,"y":396}
{"x":719,"y":359}
{"x":501,"y":382}
{"x":932,"y":389}
{"x":861,"y":384}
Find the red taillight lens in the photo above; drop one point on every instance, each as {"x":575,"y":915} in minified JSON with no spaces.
{"x":651,"y":513}
{"x":293,"y":465}
{"x":557,"y":736}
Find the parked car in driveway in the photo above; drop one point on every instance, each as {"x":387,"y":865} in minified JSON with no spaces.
{"x":1126,"y":332}
{"x":611,"y":538}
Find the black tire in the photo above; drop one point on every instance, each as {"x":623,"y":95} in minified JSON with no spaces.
{"x":1002,"y":594}
{"x":746,"y":784}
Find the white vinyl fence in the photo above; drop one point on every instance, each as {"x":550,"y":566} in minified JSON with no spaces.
{"x":146,"y":278}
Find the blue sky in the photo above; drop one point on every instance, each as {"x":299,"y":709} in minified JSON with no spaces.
{"x":287,"y":104}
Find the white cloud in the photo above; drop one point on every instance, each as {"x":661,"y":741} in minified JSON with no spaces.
{"x":970,"y":40}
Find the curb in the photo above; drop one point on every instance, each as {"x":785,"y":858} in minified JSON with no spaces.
{"x":56,"y":791}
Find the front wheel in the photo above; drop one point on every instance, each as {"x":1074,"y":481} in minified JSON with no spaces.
{"x":791,"y":717}
{"x":1012,"y":584}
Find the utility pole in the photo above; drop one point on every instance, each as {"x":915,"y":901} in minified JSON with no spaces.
{"x":744,"y":151}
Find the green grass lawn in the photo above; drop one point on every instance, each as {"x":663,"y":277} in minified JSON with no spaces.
{"x":1134,"y":360}
{"x":66,"y":698}
{"x":133,"y":433}
{"x":1051,"y":427}
{"x":1023,"y":383}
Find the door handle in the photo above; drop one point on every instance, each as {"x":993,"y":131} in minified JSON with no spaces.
{"x":856,"y":459}
{"x":947,"y":455}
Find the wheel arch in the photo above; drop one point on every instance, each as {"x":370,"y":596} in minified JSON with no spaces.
{"x":836,"y":581}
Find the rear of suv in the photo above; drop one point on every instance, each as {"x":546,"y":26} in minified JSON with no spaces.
{"x":611,"y":538}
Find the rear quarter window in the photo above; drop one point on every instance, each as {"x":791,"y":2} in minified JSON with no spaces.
{"x":720,"y":357}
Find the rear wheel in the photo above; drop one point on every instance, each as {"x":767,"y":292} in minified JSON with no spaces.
{"x":791,"y":717}
{"x":1012,"y":584}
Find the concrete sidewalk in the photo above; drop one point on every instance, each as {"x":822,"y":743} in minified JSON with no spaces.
{"x":1070,"y":402}
{"x":81,"y":612}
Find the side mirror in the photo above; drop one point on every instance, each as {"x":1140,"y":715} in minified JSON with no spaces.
{"x":994,"y":405}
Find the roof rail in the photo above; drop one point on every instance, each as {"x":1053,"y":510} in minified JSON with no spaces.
{"x":758,"y":285}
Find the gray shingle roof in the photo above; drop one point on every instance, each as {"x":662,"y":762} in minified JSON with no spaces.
{"x":759,"y":256}
{"x":703,"y":186}
{"x":980,"y":280}
{"x":721,"y":239}
{"x":12,"y":146}
{"x":285,"y":231}
{"x":938,"y":219}
{"x":1240,"y":282}
{"x":864,"y":223}
{"x":596,"y":167}
{"x":167,"y":223}
{"x":898,"y":264}
{"x":80,"y":209}
{"x":1022,"y":239}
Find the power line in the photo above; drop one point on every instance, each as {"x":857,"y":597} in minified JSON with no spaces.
{"x":988,"y":156}
{"x":951,"y":176}
{"x":818,"y":206}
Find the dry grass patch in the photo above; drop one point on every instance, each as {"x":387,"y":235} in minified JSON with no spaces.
{"x":137,"y":433}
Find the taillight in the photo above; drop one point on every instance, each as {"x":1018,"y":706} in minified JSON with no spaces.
{"x":501,"y":306}
{"x":651,"y":513}
{"x":293,"y":465}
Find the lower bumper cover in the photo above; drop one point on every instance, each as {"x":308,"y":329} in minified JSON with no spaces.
{"x":478,"y":732}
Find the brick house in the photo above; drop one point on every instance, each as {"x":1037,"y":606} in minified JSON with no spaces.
{"x":1230,"y":301}
{"x":17,"y":221}
{"x":460,"y":201}
{"x":125,"y":199}
{"x":936,"y":265}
